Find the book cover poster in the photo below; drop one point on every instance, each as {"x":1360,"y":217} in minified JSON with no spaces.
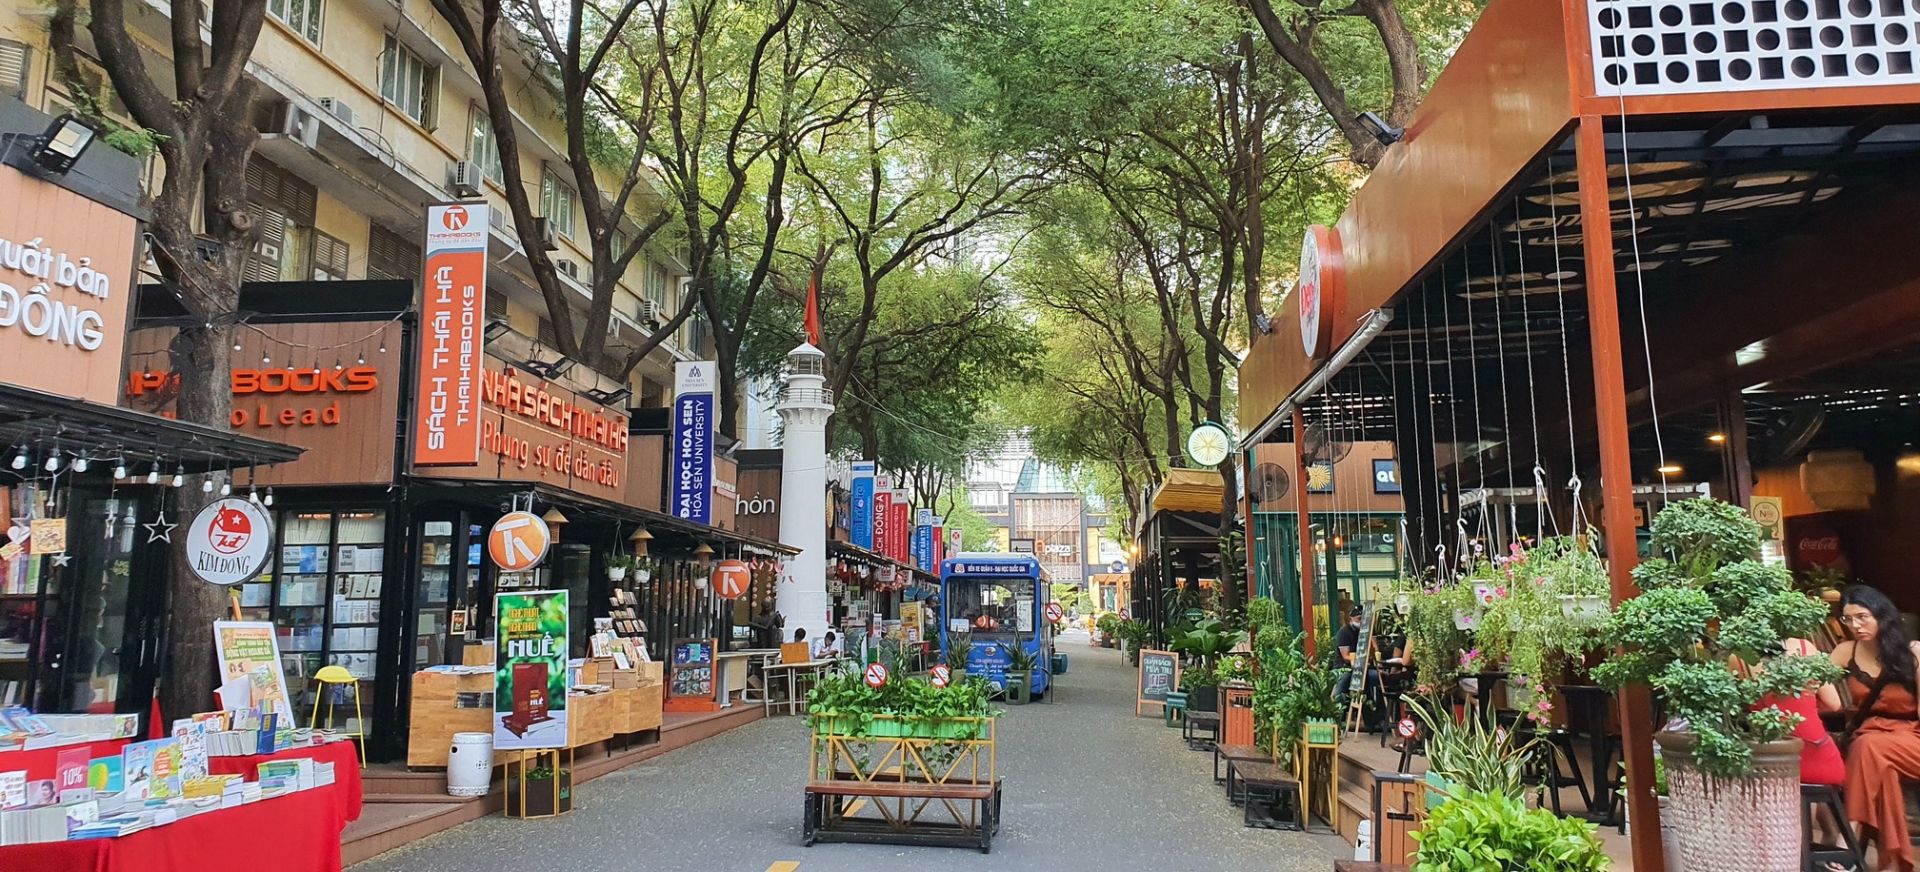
{"x":530,"y":677}
{"x":105,"y":775}
{"x":137,"y":769}
{"x":250,"y":649}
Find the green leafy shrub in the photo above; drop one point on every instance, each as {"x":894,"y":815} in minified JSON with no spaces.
{"x":844,"y":697}
{"x":1474,"y":753}
{"x":1487,"y":832}
{"x":1288,"y":691}
{"x":1705,"y":605}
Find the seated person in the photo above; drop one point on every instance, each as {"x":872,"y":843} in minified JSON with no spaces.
{"x":1885,"y":749}
{"x":827,"y":648}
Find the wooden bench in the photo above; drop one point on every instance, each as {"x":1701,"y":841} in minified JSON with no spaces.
{"x":1197,"y":722}
{"x":900,"y":804}
{"x":1267,"y":783}
{"x":1233,"y":754}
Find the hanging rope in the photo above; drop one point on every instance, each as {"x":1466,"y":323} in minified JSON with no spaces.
{"x":1542,"y":510}
{"x":1640,"y":288}
{"x":1577,"y":522}
{"x":1512,"y":532}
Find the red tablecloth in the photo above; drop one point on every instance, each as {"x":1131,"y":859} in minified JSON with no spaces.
{"x":297,"y":832}
{"x":344,"y":756}
{"x":41,"y":763}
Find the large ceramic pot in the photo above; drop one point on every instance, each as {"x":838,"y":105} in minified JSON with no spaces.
{"x":1204,"y":699}
{"x":1748,"y":824}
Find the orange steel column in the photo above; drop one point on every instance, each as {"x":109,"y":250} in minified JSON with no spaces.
{"x":1303,"y":516}
{"x":1616,"y":472}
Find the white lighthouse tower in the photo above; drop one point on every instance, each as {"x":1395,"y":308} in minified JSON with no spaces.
{"x":804,"y":409}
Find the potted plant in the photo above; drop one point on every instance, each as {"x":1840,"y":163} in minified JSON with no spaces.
{"x":543,"y":797}
{"x":1479,"y":830}
{"x":1203,"y":646}
{"x":642,"y":570}
{"x":1020,"y":664}
{"x":1202,"y":688}
{"x":1109,"y":627}
{"x":1132,"y":633}
{"x":1706,"y":604}
{"x":843,"y":703}
{"x":1472,"y":754}
{"x":618,"y":566}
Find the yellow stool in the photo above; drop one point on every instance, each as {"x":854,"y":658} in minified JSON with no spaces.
{"x":336,"y":675}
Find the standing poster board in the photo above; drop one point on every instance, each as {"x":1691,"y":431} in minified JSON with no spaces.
{"x":692,"y":676}
{"x":530,"y":670}
{"x":1362,"y":658}
{"x":250,"y":650}
{"x":910,"y":622}
{"x":1159,"y":676}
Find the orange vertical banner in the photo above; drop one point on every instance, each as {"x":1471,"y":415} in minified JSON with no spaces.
{"x":453,"y":311}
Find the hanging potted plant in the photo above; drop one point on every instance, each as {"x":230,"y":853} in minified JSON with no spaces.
{"x":1707,"y":605}
{"x":617,"y":567}
{"x":642,"y":570}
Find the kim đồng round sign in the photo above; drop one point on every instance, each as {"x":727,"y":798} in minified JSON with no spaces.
{"x":229,"y":542}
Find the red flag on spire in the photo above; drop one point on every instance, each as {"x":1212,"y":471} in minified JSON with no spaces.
{"x":813,"y":308}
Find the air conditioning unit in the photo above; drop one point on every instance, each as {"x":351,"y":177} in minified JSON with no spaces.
{"x":568,"y":268}
{"x":650,"y":314}
{"x":543,"y":231}
{"x":497,"y":219}
{"x":298,"y":125}
{"x":465,"y":180}
{"x":338,"y":109}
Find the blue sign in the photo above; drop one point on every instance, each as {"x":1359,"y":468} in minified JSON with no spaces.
{"x":1386,"y":476}
{"x":860,"y":524}
{"x":691,"y":453}
{"x":923,"y":547}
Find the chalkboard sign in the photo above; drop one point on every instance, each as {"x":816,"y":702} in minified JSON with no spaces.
{"x":692,"y":669}
{"x":1159,"y":676}
{"x":1362,"y":661}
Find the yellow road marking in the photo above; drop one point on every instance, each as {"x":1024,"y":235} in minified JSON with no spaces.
{"x":783,"y":866}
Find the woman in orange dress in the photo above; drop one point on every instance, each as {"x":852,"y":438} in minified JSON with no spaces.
{"x":1885,"y":749}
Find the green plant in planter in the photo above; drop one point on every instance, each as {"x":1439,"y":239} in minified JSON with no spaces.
{"x":843,"y":701}
{"x":1430,"y":627}
{"x":1234,"y":669}
{"x":1488,"y":832}
{"x":959,"y":645}
{"x":1020,"y":666}
{"x":1707,"y":603}
{"x":1474,"y":753}
{"x":1288,"y":691}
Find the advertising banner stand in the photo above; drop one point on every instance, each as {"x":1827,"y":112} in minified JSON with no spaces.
{"x":530,"y":701}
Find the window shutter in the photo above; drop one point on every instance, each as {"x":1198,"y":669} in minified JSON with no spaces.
{"x":15,"y":58}
{"x":496,"y":306}
{"x":270,"y":238}
{"x":392,"y":256}
{"x":330,"y":258}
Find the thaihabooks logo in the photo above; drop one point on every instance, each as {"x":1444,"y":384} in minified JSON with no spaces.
{"x":458,"y":226}
{"x":454,"y":218}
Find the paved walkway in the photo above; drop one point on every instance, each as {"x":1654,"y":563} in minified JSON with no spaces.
{"x":1088,"y":786}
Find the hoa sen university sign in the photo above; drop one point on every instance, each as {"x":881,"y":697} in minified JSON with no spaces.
{"x":65,"y":265}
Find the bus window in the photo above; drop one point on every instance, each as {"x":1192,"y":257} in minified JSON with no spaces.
{"x":992,"y":607}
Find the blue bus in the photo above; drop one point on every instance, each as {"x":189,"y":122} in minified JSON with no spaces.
{"x":998,"y":601}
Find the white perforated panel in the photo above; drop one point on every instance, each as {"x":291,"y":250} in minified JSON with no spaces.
{"x":1677,"y":47}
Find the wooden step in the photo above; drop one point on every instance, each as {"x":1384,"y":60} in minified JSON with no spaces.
{"x":385,"y":826}
{"x":1355,"y":805}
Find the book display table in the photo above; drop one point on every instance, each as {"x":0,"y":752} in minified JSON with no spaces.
{"x":296,"y":832}
{"x":345,"y":788}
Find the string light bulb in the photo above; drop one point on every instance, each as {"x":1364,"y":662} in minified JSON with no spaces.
{"x":179,"y":478}
{"x":361,"y":360}
{"x":226,"y":488}
{"x":119,"y":470}
{"x":236,"y":346}
{"x":80,"y":463}
{"x":53,"y":462}
{"x":206,"y":486}
{"x":20,"y":460}
{"x":266,"y":358}
{"x":153,"y":475}
{"x":269,"y":497}
{"x":253,"y":495}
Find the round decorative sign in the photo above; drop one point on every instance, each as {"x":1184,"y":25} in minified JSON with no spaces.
{"x":1317,"y":288}
{"x":876,"y":674}
{"x":229,"y":542}
{"x":1124,"y":616}
{"x":731,"y":578}
{"x":1765,"y":513}
{"x":939,"y":675}
{"x":1055,"y":613}
{"x":518,"y":541}
{"x":1209,"y":444}
{"x":1405,"y":728}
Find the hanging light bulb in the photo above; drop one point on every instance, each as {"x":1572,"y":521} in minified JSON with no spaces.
{"x":179,"y":475}
{"x":226,"y":488}
{"x":153,"y":475}
{"x":119,"y":470}
{"x":269,"y":499}
{"x":20,"y":460}
{"x":253,"y":495}
{"x":236,"y":346}
{"x":362,"y":360}
{"x":53,"y":462}
{"x":206,"y":487}
{"x":266,"y":359}
{"x":80,"y":463}
{"x":383,"y":348}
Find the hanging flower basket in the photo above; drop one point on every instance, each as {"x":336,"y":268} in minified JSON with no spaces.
{"x":1466,"y":620}
{"x":616,"y":574}
{"x":1585,"y":611}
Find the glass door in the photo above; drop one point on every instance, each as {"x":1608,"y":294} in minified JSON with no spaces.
{"x":438,"y":549}
{"x":300,"y":601}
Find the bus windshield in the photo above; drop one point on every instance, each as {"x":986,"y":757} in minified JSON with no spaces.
{"x":990,"y":608}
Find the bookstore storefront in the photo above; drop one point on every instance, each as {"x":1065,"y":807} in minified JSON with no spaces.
{"x":84,"y":553}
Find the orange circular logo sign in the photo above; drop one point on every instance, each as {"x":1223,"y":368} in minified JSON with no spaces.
{"x":731,"y":578}
{"x":518,"y":541}
{"x":454,"y":218}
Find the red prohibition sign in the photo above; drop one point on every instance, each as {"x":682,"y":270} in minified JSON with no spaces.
{"x":939,"y":675}
{"x":1055,"y":613}
{"x":876,"y":674}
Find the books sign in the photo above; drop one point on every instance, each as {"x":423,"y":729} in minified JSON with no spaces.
{"x":229,"y":542}
{"x":530,"y":671}
{"x":452,"y":336}
{"x":249,"y":650}
{"x":690,"y":464}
